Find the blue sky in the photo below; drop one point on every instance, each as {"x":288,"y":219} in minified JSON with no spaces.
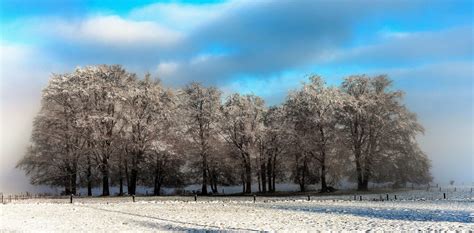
{"x":262,"y":47}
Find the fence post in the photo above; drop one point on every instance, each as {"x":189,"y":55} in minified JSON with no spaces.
{"x":70,"y":199}
{"x":133,"y":197}
{"x":195,"y":197}
{"x":387,"y":197}
{"x":444,"y":195}
{"x":360,"y":198}
{"x":309,"y":198}
{"x":355,"y":197}
{"x":395,"y":197}
{"x":254,"y":198}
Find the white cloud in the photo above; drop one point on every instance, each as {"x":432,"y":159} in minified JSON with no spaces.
{"x":116,"y":31}
{"x":166,"y":68}
{"x":182,"y":16}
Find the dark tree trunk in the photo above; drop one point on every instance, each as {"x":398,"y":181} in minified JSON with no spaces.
{"x":303,"y":176}
{"x":158,"y":178}
{"x":133,"y":181}
{"x":269,"y":173}
{"x":67,"y":190}
{"x":204,"y":174}
{"x":73,"y":183}
{"x":213,"y":178}
{"x":324,"y":187}
{"x":120,"y":178}
{"x":121,"y":186}
{"x":89,"y":177}
{"x":248,"y":177}
{"x":127,"y":176}
{"x":157,"y":187}
{"x":360,"y":180}
{"x":134,"y":172}
{"x":242,"y":177}
{"x":263,"y":172}
{"x":273,"y":174}
{"x":105,"y":182}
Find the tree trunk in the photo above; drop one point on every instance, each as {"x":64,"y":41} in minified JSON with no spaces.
{"x":127,"y":176}
{"x":134,"y":172}
{"x":213,"y":179}
{"x":133,"y":181}
{"x":105,"y":181}
{"x":157,"y":183}
{"x":157,"y":187}
{"x":242,"y":177}
{"x":324,"y":187}
{"x":89,"y":177}
{"x":121,"y":186}
{"x":263,"y":172}
{"x":204,"y":174}
{"x":120,"y":178}
{"x":273,"y":173}
{"x":360,"y":180}
{"x":73,"y":183}
{"x":248,"y":177}
{"x":303,"y":178}
{"x":269,"y":173}
{"x":67,"y":191}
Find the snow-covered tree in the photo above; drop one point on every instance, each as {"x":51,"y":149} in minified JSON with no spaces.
{"x":375,"y":120}
{"x":241,"y":126}
{"x":101,"y":124}
{"x":146,"y":111}
{"x":199,"y":116}
{"x":105,"y":88}
{"x":311,"y":112}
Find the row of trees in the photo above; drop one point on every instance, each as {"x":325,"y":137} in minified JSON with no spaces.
{"x":103,"y":125}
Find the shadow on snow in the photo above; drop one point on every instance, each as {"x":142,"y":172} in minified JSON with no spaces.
{"x":389,"y":214}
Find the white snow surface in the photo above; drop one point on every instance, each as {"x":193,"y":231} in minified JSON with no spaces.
{"x":293,"y":214}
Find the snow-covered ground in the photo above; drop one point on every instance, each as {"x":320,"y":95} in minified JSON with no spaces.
{"x":411,"y":211}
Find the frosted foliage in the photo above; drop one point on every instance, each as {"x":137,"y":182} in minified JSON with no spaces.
{"x":103,"y":126}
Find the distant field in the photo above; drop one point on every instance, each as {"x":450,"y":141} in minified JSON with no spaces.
{"x":412,"y":210}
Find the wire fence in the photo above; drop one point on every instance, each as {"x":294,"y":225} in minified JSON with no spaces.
{"x":430,"y":193}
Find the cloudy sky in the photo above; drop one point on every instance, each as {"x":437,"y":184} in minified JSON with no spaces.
{"x":262,"y":47}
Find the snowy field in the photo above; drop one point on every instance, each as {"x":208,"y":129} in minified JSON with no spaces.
{"x":413,"y":210}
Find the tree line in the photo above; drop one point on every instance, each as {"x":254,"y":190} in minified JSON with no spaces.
{"x":104,"y":126}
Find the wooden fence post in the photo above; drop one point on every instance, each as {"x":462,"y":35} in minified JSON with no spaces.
{"x":254,"y":198}
{"x":387,"y":197}
{"x":444,"y":195}
{"x":195,"y":197}
{"x":395,"y":196}
{"x":70,"y":199}
{"x":309,"y":198}
{"x":133,"y":198}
